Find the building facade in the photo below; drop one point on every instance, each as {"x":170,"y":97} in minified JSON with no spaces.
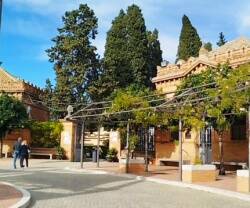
{"x":29,"y":95}
{"x":169,"y":77}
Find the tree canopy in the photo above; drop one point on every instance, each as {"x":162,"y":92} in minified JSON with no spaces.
{"x":189,"y":41}
{"x":131,"y":52}
{"x":75,"y":59}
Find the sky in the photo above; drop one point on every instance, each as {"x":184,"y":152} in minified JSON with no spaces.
{"x":29,"y":25}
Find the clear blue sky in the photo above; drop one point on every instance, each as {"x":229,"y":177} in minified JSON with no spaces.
{"x":29,"y":25}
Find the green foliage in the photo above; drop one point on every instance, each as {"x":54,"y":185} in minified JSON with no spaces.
{"x":112,"y":155}
{"x":132,"y":99}
{"x":60,"y":153}
{"x":75,"y":60}
{"x":131,"y":52}
{"x":13,"y":114}
{"x":222,"y":100}
{"x":133,"y":141}
{"x":189,"y":41}
{"x":222,"y":40}
{"x":208,"y":46}
{"x":46,"y":134}
{"x":155,"y":52}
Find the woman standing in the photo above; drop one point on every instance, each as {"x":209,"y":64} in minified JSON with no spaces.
{"x":24,"y":153}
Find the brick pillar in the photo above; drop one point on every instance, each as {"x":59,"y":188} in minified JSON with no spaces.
{"x":68,"y":138}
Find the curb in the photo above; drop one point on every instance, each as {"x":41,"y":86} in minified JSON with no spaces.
{"x":223,"y":192}
{"x":24,"y":201}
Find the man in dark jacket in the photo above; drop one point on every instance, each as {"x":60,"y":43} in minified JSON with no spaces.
{"x":16,"y":149}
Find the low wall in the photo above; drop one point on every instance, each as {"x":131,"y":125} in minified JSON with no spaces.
{"x":243,"y":181}
{"x":198,"y":173}
{"x":11,"y":138}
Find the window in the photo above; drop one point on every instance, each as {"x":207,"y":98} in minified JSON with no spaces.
{"x":238,"y":129}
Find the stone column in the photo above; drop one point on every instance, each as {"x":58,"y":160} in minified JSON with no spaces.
{"x":68,"y":138}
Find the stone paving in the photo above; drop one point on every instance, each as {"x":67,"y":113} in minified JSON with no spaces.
{"x":52,"y":186}
{"x":8,"y":196}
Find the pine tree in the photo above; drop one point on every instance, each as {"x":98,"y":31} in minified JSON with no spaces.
{"x":138,"y":53}
{"x":222,"y":39}
{"x":208,"y":46}
{"x":74,"y":57}
{"x":189,"y":41}
{"x":155,"y":52}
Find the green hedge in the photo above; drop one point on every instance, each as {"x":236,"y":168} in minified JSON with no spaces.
{"x":46,"y":134}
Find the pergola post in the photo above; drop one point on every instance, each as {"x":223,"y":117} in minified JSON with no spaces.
{"x":82,"y":143}
{"x":180,"y":149}
{"x":248,"y":127}
{"x":98,"y":146}
{"x":127,"y":149}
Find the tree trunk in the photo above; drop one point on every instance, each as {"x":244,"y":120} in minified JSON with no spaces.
{"x":221,"y":152}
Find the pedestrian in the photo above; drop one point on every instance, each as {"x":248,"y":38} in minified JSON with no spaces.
{"x":24,"y":153}
{"x":16,"y":151}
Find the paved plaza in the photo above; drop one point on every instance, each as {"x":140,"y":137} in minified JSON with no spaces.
{"x":51,"y":185}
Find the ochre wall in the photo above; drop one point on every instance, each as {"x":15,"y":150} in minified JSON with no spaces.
{"x":12,"y":137}
{"x":234,"y":150}
{"x":169,"y":150}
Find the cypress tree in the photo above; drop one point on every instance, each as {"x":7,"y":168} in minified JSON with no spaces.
{"x":222,"y":39}
{"x":138,"y":53}
{"x":155,"y":52}
{"x":208,"y":46}
{"x":189,"y":41}
{"x":131,"y":53}
{"x":74,"y":57}
{"x":117,"y":73}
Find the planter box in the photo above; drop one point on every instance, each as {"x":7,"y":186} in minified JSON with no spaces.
{"x":243,"y":181}
{"x":135,"y":165}
{"x":198,"y":173}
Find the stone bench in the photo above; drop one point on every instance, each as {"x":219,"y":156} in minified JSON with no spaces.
{"x":243,"y":181}
{"x":199,"y":173}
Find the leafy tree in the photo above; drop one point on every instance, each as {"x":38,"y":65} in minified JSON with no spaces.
{"x":189,"y":41}
{"x":13,"y":115}
{"x":208,"y":46}
{"x":218,"y":103}
{"x":222,"y":40}
{"x":74,"y":57}
{"x":155,"y":52}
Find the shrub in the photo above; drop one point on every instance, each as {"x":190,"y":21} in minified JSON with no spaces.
{"x":112,"y":155}
{"x":60,"y":153}
{"x":46,"y":134}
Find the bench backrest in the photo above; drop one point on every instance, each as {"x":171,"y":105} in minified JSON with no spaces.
{"x":43,"y":150}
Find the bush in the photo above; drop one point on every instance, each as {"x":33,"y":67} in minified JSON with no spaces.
{"x":46,"y":134}
{"x":60,"y":153}
{"x":112,"y":155}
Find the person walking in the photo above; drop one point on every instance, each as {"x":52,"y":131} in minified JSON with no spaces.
{"x":24,"y":153}
{"x":16,"y":149}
